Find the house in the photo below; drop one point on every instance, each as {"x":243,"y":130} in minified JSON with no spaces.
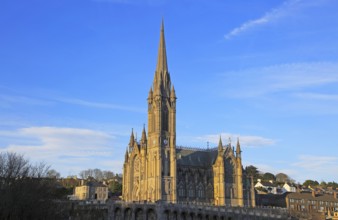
{"x":312,"y":204}
{"x":92,"y":191}
{"x":289,"y":187}
{"x":267,"y":186}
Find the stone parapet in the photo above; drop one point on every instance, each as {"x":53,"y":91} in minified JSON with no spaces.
{"x":177,"y":211}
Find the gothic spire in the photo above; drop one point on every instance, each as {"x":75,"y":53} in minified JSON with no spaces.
{"x":162,"y":65}
{"x":173,"y":94}
{"x":150,"y":95}
{"x":238,"y":149}
{"x":132,"y":139}
{"x":161,"y":85}
{"x":126,"y":156}
{"x":220,"y":144}
{"x":144,"y":136}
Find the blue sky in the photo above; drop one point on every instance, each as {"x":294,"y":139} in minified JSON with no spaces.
{"x":75,"y":77}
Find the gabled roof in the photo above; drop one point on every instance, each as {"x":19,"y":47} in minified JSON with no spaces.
{"x":199,"y":157}
{"x":196,"y":157}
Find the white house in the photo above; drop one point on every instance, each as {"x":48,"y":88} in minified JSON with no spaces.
{"x":289,"y":187}
{"x":269,"y":186}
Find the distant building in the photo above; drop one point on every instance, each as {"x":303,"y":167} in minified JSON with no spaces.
{"x":91,"y":191}
{"x":267,"y":186}
{"x":271,"y":200}
{"x":312,"y":203}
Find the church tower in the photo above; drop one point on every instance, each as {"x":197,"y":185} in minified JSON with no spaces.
{"x":151,"y":171}
{"x":161,"y":143}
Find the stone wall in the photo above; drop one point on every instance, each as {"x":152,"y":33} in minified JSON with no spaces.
{"x":84,"y":211}
{"x":184,"y":211}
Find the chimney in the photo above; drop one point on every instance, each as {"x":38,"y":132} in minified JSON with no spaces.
{"x":313,"y":193}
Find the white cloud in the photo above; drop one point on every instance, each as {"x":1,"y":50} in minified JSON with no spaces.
{"x":270,"y":16}
{"x":64,"y":148}
{"x":245,"y":140}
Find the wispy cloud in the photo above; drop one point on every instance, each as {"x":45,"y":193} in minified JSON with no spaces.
{"x":59,"y":146}
{"x":317,"y":96}
{"x":313,"y":166}
{"x":245,"y":140}
{"x":100,"y":105}
{"x":280,"y":78}
{"x":317,"y":163}
{"x":53,"y":142}
{"x":270,"y":16}
{"x":293,"y":88}
{"x":11,"y":100}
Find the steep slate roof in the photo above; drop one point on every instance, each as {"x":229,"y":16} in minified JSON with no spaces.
{"x":196,"y":157}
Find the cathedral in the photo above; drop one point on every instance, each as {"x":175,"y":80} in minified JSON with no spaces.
{"x":155,"y":169}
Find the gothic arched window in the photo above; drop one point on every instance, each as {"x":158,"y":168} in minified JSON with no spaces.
{"x":200,"y":191}
{"x":191,"y":191}
{"x":181,"y":191}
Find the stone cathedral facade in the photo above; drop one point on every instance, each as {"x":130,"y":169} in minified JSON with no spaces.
{"x":155,"y":169}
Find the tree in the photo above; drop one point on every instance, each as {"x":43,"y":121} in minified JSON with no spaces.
{"x":97,"y":174}
{"x":323,"y":184}
{"x":332,"y":184}
{"x":252,"y":171}
{"x":282,"y":178}
{"x":108,"y":175}
{"x":310,"y":183}
{"x":115,"y":187}
{"x":26,"y":193}
{"x":269,"y":176}
{"x":53,"y":174}
{"x":85,"y":174}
